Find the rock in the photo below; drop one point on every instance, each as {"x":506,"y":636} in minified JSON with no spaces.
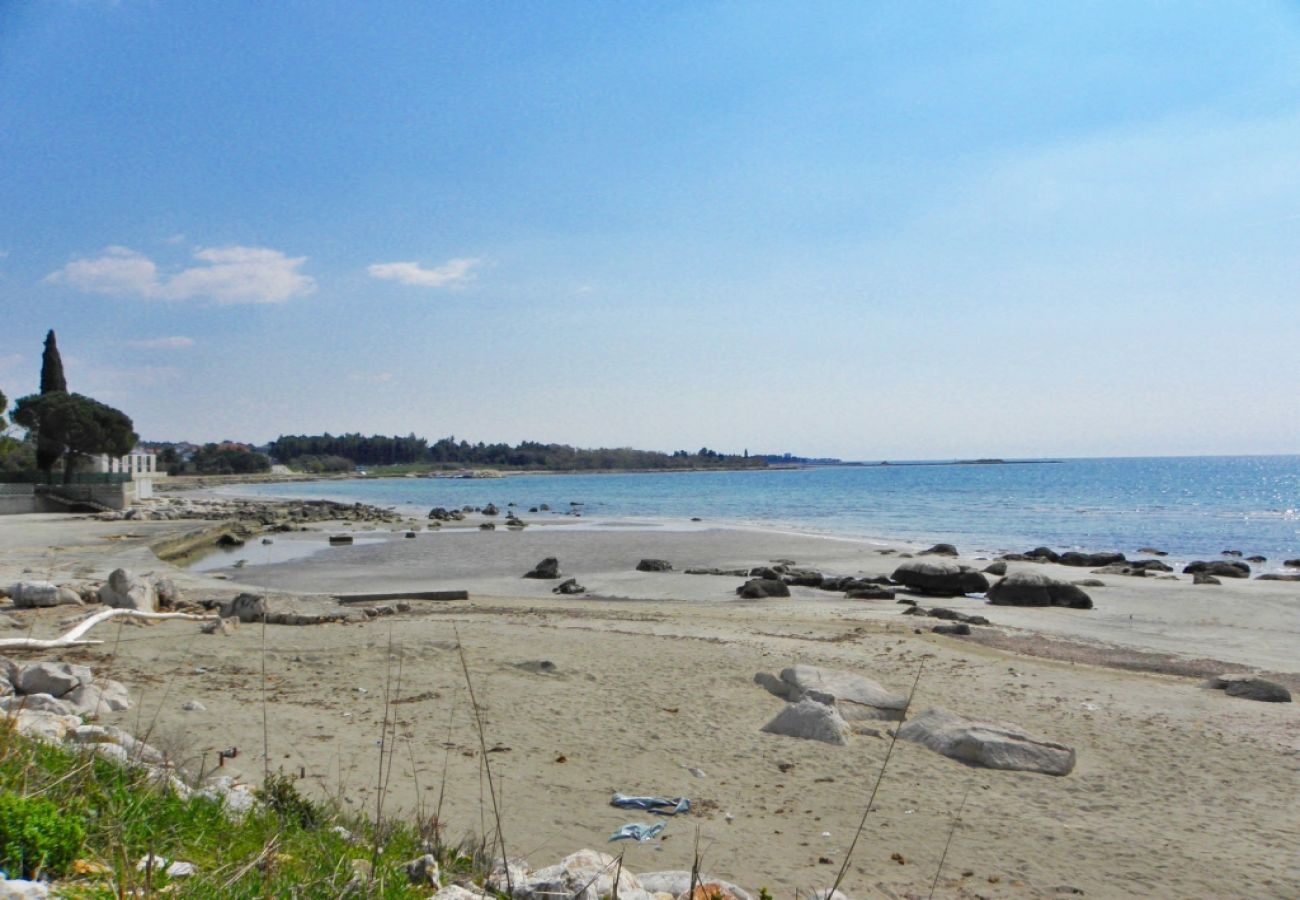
{"x":340,"y":539}
{"x":1257,"y":559}
{"x":21,"y":889}
{"x":1043,"y":554}
{"x":802,"y":577}
{"x":998,"y":568}
{"x":810,"y":720}
{"x":941,"y":579}
{"x":738,"y":573}
{"x":39,"y":703}
{"x":585,"y":875}
{"x":194,"y":706}
{"x":1292,"y":563}
{"x":1277,"y":576}
{"x":1035,"y":589}
{"x":679,"y":882}
{"x":1089,"y":582}
{"x":1152,"y":551}
{"x":41,"y":594}
{"x":99,"y":697}
{"x":1090,"y":560}
{"x":244,"y":608}
{"x":487,"y":526}
{"x":1251,"y":687}
{"x":1222,"y":567}
{"x":759,"y":588}
{"x":940,"y":550}
{"x":569,"y":587}
{"x":870,"y":592}
{"x":1232,"y":553}
{"x":46,"y":726}
{"x":491,"y":510}
{"x":53,"y":678}
{"x":957,"y":628}
{"x":423,"y":870}
{"x":168,"y":595}
{"x":456,"y":892}
{"x":654,"y":565}
{"x":229,"y":540}
{"x":223,"y":627}
{"x":547,"y":568}
{"x":993,"y":745}
{"x":767,"y":573}
{"x":855,"y":697}
{"x":124,"y":591}
{"x":706,"y":890}
{"x":1202,"y":578}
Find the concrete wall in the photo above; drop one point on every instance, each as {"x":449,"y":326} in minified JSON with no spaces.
{"x":18,"y":498}
{"x":22,"y":498}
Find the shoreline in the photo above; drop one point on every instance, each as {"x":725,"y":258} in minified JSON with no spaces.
{"x":652,"y":676}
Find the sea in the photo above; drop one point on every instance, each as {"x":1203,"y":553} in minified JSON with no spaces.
{"x":1189,"y":507}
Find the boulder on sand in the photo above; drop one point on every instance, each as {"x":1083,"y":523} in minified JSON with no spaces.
{"x":547,"y":568}
{"x":940,"y":550}
{"x":654,"y":565}
{"x":1036,"y":589}
{"x":941,"y":579}
{"x":124,"y":590}
{"x":1251,"y":687}
{"x":854,"y":696}
{"x":38,"y":594}
{"x":812,"y":721}
{"x":53,"y":678}
{"x":1222,"y":567}
{"x":585,"y":875}
{"x":993,"y":745}
{"x":758,"y":588}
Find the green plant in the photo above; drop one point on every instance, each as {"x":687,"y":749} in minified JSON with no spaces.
{"x":36,"y":838}
{"x":281,"y":795}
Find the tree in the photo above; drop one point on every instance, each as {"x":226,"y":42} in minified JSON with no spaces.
{"x":52,"y":381}
{"x":78,"y":426}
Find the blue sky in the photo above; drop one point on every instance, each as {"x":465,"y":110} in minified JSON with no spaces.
{"x":868,"y":230}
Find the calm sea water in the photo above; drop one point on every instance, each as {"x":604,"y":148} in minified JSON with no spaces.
{"x":1190,"y":506}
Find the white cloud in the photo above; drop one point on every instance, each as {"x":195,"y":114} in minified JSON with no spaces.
{"x":229,"y":275}
{"x":452,"y":273}
{"x":174,"y":342}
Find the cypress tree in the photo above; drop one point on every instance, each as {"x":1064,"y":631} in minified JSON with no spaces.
{"x":52,"y":367}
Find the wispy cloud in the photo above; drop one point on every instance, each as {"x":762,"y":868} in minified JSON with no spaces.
{"x":452,"y":273}
{"x":174,"y":342}
{"x":227,"y":275}
{"x":371,"y":377}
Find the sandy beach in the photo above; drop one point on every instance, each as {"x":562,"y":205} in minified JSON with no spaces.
{"x":1179,"y":791}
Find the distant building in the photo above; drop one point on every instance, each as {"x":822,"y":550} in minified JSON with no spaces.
{"x":138,"y":463}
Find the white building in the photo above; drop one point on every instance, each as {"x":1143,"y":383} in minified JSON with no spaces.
{"x":138,"y":463}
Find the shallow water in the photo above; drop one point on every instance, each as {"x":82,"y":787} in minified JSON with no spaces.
{"x":1189,"y":506}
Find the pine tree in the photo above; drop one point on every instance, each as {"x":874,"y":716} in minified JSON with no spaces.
{"x":52,"y":367}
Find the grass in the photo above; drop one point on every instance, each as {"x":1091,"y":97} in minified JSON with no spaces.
{"x":113,"y":816}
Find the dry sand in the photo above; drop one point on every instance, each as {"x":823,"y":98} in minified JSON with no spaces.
{"x":1179,"y":791}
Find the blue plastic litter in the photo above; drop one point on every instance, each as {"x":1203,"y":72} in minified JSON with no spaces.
{"x":662,"y":806}
{"x":635,"y":831}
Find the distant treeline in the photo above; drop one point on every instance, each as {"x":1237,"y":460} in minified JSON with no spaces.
{"x":322,"y":452}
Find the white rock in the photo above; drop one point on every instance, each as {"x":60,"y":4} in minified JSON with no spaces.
{"x":99,"y":697}
{"x":194,"y":706}
{"x":39,"y":703}
{"x":456,"y":892}
{"x":585,"y":875}
{"x":53,"y":678}
{"x":44,"y":726}
{"x":125,"y":591}
{"x":136,"y":750}
{"x":994,"y":745}
{"x":18,"y":889}
{"x":856,"y":697}
{"x":237,"y":798}
{"x":180,"y":869}
{"x":810,"y":720}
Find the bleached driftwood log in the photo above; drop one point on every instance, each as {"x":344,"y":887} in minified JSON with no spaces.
{"x":73,"y":637}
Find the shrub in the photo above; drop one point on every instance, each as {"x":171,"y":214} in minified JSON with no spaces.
{"x":281,"y":795}
{"x":35,"y":837}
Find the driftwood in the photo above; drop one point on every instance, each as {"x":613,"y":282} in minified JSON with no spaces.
{"x":73,"y":637}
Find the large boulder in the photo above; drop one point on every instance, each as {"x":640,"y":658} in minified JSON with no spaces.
{"x":99,"y":697}
{"x":993,"y":745}
{"x":759,"y":588}
{"x":245,"y":608}
{"x":1036,"y":589}
{"x":855,"y":697}
{"x":124,"y":590}
{"x":1226,"y":568}
{"x":654,"y":565}
{"x":1091,"y":560}
{"x":53,"y":678}
{"x":547,"y":568}
{"x":941,"y":579}
{"x":37,"y":594}
{"x":678,"y":882}
{"x":940,"y":550}
{"x":811,"y":720}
